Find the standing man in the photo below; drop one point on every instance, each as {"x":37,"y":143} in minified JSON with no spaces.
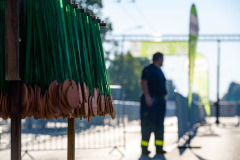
{"x":153,"y":104}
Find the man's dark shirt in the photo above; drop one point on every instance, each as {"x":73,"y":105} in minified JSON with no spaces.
{"x":156,"y":80}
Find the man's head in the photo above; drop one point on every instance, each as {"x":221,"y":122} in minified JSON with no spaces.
{"x":158,"y":59}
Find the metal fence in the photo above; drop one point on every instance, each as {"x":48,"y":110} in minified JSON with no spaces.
{"x":187,"y":127}
{"x":227,"y":108}
{"x":43,"y":135}
{"x":186,"y":124}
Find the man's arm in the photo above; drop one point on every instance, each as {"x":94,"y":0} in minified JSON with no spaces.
{"x":147,"y":96}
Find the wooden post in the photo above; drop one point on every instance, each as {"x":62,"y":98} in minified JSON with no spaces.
{"x":15,"y":92}
{"x":71,"y":139}
{"x":12,"y":40}
{"x":14,"y":69}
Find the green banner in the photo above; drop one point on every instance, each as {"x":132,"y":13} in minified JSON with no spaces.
{"x":148,"y":48}
{"x":201,"y":81}
{"x":193,"y":37}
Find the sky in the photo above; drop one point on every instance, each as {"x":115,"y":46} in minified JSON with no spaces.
{"x":172,"y":17}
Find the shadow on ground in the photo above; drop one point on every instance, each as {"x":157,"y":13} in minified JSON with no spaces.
{"x":156,"y":157}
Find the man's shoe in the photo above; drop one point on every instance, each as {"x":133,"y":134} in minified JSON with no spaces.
{"x":145,"y":152}
{"x":161,"y":152}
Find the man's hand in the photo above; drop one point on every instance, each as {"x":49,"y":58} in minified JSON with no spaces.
{"x":148,"y":100}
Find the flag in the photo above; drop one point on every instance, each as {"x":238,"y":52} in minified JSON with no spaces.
{"x":193,"y":37}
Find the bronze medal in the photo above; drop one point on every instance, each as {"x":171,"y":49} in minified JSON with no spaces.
{"x":99,"y":106}
{"x":72,"y":97}
{"x":85,"y":109}
{"x":113,"y":114}
{"x":102,"y":103}
{"x":90,"y":106}
{"x":24,"y":103}
{"x":94,"y":106}
{"x":62,"y":106}
{"x":85,"y":92}
{"x":80,"y":93}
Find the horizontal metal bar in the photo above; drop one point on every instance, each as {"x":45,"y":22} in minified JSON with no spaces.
{"x":175,"y":37}
{"x":227,"y":103}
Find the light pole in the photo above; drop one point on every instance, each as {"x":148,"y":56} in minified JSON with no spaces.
{"x":122,"y":66}
{"x":218,"y":82}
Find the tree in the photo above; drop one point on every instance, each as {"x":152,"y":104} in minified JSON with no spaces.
{"x":132,"y":68}
{"x":131,"y":73}
{"x":95,"y":7}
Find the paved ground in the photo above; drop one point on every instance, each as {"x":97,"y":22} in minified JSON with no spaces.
{"x":217,"y":143}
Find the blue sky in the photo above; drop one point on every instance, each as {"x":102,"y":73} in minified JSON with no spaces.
{"x":172,"y":17}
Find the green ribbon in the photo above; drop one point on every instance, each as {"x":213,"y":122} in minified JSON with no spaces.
{"x":63,"y":43}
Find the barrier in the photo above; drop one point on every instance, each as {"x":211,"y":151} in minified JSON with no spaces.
{"x":197,"y":115}
{"x":52,"y":135}
{"x":238,"y":114}
{"x":227,"y":109}
{"x":43,"y":135}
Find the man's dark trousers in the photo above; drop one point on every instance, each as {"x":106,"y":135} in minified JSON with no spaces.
{"x":152,"y":120}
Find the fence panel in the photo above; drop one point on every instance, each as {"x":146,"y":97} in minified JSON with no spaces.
{"x":197,"y":115}
{"x":43,"y":135}
{"x":182,"y":108}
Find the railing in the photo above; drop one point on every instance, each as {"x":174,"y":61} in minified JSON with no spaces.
{"x":42,"y":135}
{"x":187,"y":124}
{"x":189,"y":119}
{"x":228,"y":109}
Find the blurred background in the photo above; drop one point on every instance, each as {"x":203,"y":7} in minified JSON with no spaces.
{"x":158,"y":18}
{"x":130,"y":22}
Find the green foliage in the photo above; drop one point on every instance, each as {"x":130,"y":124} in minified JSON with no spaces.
{"x":97,"y":3}
{"x":131,"y":71}
{"x":95,"y":7}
